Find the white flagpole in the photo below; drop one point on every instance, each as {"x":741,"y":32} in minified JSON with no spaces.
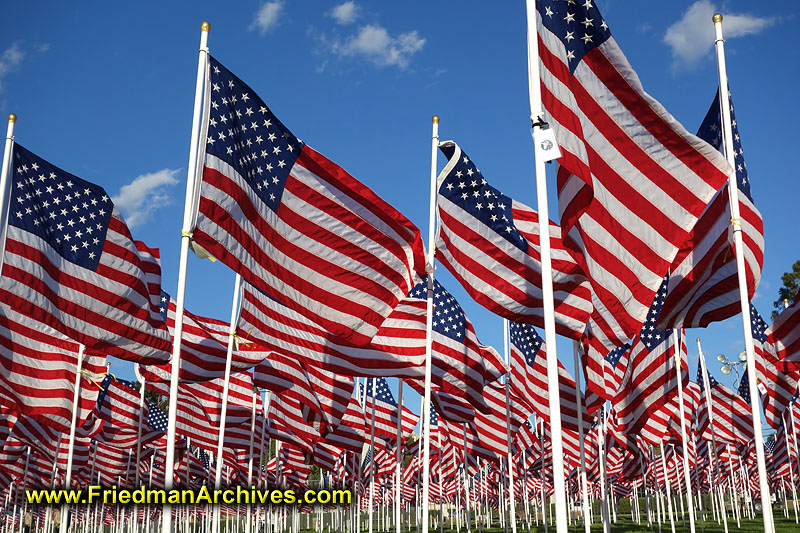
{"x":604,"y":505}
{"x":791,"y":470}
{"x":371,"y":477}
{"x":71,"y":443}
{"x":733,"y":189}
{"x":188,"y":216}
{"x":139,"y":429}
{"x":466,"y":485}
{"x":797,"y":456}
{"x":667,"y":485}
{"x":587,"y":522}
{"x":537,"y":114}
{"x":5,"y":170}
{"x":250,"y":458}
{"x":398,"y":469}
{"x":511,"y":496}
{"x":676,"y":341}
{"x":237,"y":286}
{"x":713,"y":454}
{"x":426,"y":402}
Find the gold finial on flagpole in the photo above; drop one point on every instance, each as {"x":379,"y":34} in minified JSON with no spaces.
{"x":205,"y":26}
{"x":12,"y":117}
{"x":717,"y":17}
{"x":435,"y":119}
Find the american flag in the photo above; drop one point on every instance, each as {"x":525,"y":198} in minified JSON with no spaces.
{"x":775,"y":385}
{"x":490,"y":243}
{"x":199,"y":409}
{"x":486,"y":434}
{"x":118,"y":407}
{"x":650,"y":380}
{"x":398,"y":349}
{"x":386,"y":411}
{"x":703,"y":280}
{"x":733,"y":419}
{"x":451,"y":407}
{"x":529,"y":378}
{"x":784,"y":336}
{"x":632,"y":181}
{"x":204,"y":345}
{"x":286,"y":376}
{"x":351,"y":433}
{"x":461,"y":365}
{"x":291,"y":422}
{"x":38,"y":366}
{"x":296,"y":224}
{"x":71,"y":263}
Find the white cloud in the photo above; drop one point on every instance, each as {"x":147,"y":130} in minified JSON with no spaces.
{"x":140,"y":198}
{"x":374,"y":43}
{"x":13,"y":56}
{"x":345,"y":13}
{"x":692,"y":37}
{"x":267,"y":16}
{"x":9,"y":60}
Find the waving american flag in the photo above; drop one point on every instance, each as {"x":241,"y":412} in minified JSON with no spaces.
{"x":703,"y":280}
{"x":71,"y":263}
{"x":632,"y":181}
{"x":294,"y":223}
{"x":490,"y":243}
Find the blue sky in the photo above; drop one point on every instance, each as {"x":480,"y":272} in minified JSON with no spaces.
{"x":105,"y":91}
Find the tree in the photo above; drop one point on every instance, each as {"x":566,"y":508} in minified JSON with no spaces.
{"x":791,"y":284}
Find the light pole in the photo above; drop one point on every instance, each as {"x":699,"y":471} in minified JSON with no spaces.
{"x":727,"y":366}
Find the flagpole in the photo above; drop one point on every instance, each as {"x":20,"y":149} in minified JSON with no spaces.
{"x":791,"y":471}
{"x":511,"y":497}
{"x":604,"y":505}
{"x":796,"y":452}
{"x":71,"y":443}
{"x":186,"y":236}
{"x":676,"y":341}
{"x":426,"y":402}
{"x":237,"y":287}
{"x":399,"y":467}
{"x":139,"y":429}
{"x":733,"y":189}
{"x":537,"y":114}
{"x":667,"y":485}
{"x":372,"y":455}
{"x":713,"y":455}
{"x":584,"y":480}
{"x":5,"y":170}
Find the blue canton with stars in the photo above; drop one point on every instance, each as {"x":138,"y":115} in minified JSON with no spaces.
{"x":578,"y":25}
{"x":711,"y":132}
{"x":70,"y":214}
{"x":759,"y":328}
{"x":744,"y":386}
{"x":466,"y":187}
{"x":243,"y":132}
{"x":382,"y":392}
{"x":156,"y":417}
{"x":769,"y":445}
{"x":758,"y":325}
{"x":650,"y":336}
{"x":614,"y":356}
{"x":701,"y":382}
{"x":163,"y":305}
{"x":526,"y":339}
{"x":448,"y":317}
{"x":434,"y":415}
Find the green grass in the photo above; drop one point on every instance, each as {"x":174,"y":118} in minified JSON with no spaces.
{"x":782,"y":525}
